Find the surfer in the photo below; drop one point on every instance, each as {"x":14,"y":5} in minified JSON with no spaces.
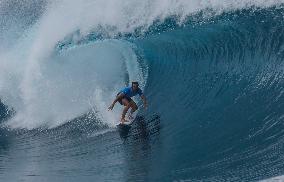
{"x":124,"y":98}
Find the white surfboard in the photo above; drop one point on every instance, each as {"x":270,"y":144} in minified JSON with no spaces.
{"x":127,"y":122}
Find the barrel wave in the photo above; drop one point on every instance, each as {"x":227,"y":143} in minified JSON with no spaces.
{"x":213,"y":75}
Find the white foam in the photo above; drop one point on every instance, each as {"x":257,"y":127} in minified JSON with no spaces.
{"x":100,"y":133}
{"x":73,"y":82}
{"x":274,"y":179}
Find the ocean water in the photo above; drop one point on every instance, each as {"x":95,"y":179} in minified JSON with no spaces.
{"x":212,"y":71}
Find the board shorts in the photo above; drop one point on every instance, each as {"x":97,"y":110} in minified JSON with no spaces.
{"x":124,"y":97}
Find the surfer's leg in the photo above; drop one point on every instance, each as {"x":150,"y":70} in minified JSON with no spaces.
{"x":125,"y":109}
{"x":134,"y":107}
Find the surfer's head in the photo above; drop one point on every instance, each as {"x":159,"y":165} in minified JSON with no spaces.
{"x":135,"y":86}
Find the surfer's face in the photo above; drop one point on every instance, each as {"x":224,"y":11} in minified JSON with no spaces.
{"x":135,"y":87}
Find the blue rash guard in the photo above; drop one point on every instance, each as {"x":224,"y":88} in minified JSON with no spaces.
{"x":128,"y":92}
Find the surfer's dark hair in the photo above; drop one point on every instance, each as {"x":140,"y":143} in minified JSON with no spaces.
{"x":135,"y":83}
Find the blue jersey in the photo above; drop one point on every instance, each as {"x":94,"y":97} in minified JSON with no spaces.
{"x":130,"y":93}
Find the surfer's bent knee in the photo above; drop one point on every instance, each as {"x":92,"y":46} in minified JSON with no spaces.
{"x":134,"y":106}
{"x":127,"y":105}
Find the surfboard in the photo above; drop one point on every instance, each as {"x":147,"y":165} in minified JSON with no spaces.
{"x":125,"y":127}
{"x":127,"y":123}
{"x":141,"y":126}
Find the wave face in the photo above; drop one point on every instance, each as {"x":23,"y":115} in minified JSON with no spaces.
{"x":213,"y":73}
{"x":219,"y":88}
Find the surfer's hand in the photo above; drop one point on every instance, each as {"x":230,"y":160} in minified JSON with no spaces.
{"x":110,"y":107}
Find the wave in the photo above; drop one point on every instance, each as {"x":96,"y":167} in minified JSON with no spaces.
{"x":220,"y":83}
{"x":29,"y":80}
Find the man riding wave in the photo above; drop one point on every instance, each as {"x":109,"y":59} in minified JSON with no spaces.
{"x":124,"y":98}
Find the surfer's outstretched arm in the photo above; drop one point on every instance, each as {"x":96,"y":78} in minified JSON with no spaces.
{"x":144,"y":100}
{"x":119,"y":96}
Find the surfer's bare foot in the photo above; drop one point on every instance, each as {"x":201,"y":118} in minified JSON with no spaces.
{"x":122,"y":120}
{"x":130,"y":116}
